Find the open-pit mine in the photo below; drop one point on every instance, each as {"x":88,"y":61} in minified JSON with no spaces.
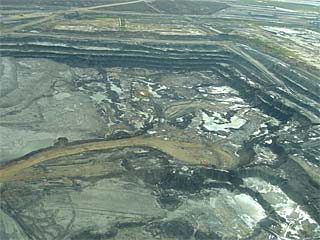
{"x":159,"y":119}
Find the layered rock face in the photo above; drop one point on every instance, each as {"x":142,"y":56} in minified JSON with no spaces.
{"x":159,"y":120}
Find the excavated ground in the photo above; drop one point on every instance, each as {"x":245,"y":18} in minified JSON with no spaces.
{"x":155,"y":120}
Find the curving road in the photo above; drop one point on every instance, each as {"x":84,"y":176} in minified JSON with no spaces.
{"x":192,"y":153}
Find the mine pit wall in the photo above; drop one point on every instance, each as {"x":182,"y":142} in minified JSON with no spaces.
{"x":225,"y":64}
{"x":230,"y":180}
{"x":203,"y":58}
{"x":304,"y":89}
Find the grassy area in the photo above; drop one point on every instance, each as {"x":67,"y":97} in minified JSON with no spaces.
{"x":129,"y":25}
{"x":269,"y":46}
{"x":98,"y":23}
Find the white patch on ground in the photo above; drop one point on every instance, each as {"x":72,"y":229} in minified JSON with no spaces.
{"x":116,"y":89}
{"x":314,"y":138}
{"x":151,"y":132}
{"x":244,"y":206}
{"x":285,"y":10}
{"x":256,"y":133}
{"x":217,"y":122}
{"x":269,"y":141}
{"x":87,"y":28}
{"x":62,"y":95}
{"x":49,"y":44}
{"x":217,"y":90}
{"x":296,"y":218}
{"x":154,"y":93}
{"x":233,"y":99}
{"x":263,"y":130}
{"x":254,"y":212}
{"x":282,"y":30}
{"x":99,"y":97}
{"x":264,"y":155}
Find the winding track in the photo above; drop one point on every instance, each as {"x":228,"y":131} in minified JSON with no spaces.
{"x":192,"y":153}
